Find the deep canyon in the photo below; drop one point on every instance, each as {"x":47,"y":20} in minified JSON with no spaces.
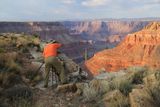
{"x":78,"y":36}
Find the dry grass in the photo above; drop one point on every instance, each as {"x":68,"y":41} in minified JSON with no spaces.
{"x":125,"y":83}
{"x":2,"y":50}
{"x":22,"y":103}
{"x":20,"y":41}
{"x":95,"y":89}
{"x":125,"y":86}
{"x":9,"y":62}
{"x":32,"y":74}
{"x":154,"y":92}
{"x":119,"y":101}
{"x":19,"y":96}
{"x":15,"y":69}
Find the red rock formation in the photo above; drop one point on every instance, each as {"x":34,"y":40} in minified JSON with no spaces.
{"x":140,"y":48}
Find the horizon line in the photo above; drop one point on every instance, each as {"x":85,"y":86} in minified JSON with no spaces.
{"x":89,"y":19}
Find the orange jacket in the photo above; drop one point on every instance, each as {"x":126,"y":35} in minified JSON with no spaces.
{"x":51,"y":49}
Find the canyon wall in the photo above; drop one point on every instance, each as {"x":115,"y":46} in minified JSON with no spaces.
{"x":141,"y":48}
{"x":77,"y":36}
{"x":104,"y":30}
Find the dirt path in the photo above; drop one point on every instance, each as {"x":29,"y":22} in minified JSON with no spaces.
{"x":50,"y":98}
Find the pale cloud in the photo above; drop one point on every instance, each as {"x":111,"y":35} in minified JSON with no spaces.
{"x":68,"y":1}
{"x":94,"y":3}
{"x":50,"y":10}
{"x":146,"y":1}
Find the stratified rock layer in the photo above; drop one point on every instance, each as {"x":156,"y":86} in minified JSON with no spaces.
{"x":138,"y":49}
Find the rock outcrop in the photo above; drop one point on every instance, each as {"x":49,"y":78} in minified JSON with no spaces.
{"x":141,"y":48}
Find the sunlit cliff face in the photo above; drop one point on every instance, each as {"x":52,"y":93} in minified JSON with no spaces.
{"x":138,"y":49}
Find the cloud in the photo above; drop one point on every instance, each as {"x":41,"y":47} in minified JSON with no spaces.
{"x":94,"y":3}
{"x":68,"y":1}
{"x":147,"y":1}
{"x":50,"y":10}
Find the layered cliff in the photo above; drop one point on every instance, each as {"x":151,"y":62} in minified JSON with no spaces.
{"x":137,"y":49}
{"x":46,"y":30}
{"x":102,"y":30}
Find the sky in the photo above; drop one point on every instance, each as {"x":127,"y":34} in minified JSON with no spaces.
{"x":57,"y":10}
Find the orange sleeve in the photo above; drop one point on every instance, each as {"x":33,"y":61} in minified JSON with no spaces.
{"x":58,"y":45}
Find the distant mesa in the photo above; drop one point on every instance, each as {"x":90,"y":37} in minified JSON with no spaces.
{"x":141,"y":48}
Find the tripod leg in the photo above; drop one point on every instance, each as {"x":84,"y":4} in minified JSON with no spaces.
{"x":52,"y":76}
{"x":55,"y":77}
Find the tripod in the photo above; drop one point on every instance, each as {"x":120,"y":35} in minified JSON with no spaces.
{"x":55,"y":76}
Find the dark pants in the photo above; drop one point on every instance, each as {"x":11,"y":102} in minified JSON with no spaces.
{"x":53,"y":63}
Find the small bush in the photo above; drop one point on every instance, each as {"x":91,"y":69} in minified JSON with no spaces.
{"x":9,"y":79}
{"x":95,"y":89}
{"x":13,"y":66}
{"x":3,"y":43}
{"x":125,"y":83}
{"x":32,"y":74}
{"x":120,"y":101}
{"x":157,"y":75}
{"x":19,"y":96}
{"x":154,"y":92}
{"x":2,"y":50}
{"x":8,"y":62}
{"x":138,"y":77}
{"x":125,"y":86}
{"x":22,"y":103}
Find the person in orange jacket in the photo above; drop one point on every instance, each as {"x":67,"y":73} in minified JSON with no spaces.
{"x":51,"y":60}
